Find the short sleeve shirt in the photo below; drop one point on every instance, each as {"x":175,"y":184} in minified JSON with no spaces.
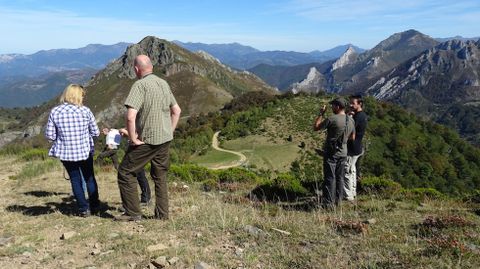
{"x":355,"y":147}
{"x":152,"y":98}
{"x":113,"y":138}
{"x":335,"y":126}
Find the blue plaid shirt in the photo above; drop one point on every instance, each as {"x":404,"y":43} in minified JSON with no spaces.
{"x":71,"y":128}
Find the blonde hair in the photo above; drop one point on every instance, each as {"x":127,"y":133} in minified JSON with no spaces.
{"x":73,"y":94}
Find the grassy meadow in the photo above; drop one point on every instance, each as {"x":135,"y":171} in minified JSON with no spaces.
{"x":225,"y":229}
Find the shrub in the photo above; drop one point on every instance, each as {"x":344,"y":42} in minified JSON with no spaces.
{"x":285,"y":187}
{"x":236,"y":175}
{"x":37,"y":169}
{"x":378,"y":185}
{"x":14,"y":149}
{"x":35,"y":154}
{"x":473,"y":197}
{"x":190,"y":173}
{"x":422,"y":193}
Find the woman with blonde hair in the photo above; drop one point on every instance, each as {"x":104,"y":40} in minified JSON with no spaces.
{"x":71,"y":127}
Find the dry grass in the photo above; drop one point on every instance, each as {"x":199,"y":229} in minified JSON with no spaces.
{"x":211,"y":227}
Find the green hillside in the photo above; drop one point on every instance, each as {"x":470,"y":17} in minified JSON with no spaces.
{"x":400,"y":146}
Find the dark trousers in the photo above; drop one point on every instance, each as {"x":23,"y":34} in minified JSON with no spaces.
{"x":333,"y":173}
{"x":144,"y":186}
{"x":109,"y":153}
{"x":135,"y":159}
{"x":77,"y":171}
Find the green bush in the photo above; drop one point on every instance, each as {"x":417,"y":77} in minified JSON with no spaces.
{"x":35,"y":154}
{"x":236,"y":175}
{"x":473,"y":197}
{"x":285,"y":187}
{"x":32,"y":170}
{"x":14,"y":149}
{"x":378,"y":185}
{"x":422,"y":193}
{"x":190,"y":173}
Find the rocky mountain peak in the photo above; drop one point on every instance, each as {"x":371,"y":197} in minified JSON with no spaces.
{"x":349,"y":56}
{"x":159,"y":50}
{"x":454,"y":44}
{"x":409,"y":38}
{"x":314,"y":82}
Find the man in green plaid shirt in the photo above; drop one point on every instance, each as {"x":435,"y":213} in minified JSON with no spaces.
{"x":152,"y":114}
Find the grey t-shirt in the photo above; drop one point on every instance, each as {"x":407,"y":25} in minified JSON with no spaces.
{"x":337,"y":135}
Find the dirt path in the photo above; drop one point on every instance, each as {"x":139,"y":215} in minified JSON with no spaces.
{"x":215,"y":146}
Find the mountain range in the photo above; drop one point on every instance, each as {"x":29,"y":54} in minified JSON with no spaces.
{"x":245,"y":57}
{"x":41,"y":76}
{"x":440,"y":81}
{"x":199,"y":82}
{"x":94,"y":56}
{"x":38,"y":77}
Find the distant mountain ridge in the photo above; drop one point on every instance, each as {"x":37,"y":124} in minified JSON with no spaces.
{"x":199,"y":82}
{"x":442,"y":83}
{"x":353,"y":69}
{"x":246,"y":57}
{"x":40,"y":76}
{"x":444,"y":39}
{"x":94,"y":56}
{"x":34,"y":91}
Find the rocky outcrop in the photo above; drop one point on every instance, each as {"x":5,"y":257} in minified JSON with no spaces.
{"x":313,"y":83}
{"x":348,"y":57}
{"x":446,"y":73}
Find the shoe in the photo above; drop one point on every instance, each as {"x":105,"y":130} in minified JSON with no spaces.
{"x":145,"y":204}
{"x":85,"y":214}
{"x":125,"y":218}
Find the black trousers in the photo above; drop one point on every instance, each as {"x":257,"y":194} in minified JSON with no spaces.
{"x":135,"y":159}
{"x":109,"y":153}
{"x":333,"y":173}
{"x":144,"y":186}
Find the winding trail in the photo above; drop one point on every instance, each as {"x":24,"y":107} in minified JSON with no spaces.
{"x":215,"y":146}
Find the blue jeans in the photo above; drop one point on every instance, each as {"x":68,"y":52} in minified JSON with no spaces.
{"x":78,"y":172}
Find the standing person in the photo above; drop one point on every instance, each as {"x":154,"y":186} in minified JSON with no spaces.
{"x":153,"y":114}
{"x":71,"y":127}
{"x":340,"y":128}
{"x":355,"y":148}
{"x":112,"y":141}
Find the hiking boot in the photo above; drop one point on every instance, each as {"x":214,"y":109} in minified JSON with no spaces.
{"x":85,"y":214}
{"x":145,"y":204}
{"x":126,"y":218}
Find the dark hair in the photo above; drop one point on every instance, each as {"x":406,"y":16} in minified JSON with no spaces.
{"x":357,"y":97}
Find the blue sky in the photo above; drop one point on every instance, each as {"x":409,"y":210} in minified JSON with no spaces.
{"x":27,"y":26}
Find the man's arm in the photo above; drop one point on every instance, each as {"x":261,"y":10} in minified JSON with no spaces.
{"x":130,"y":122}
{"x":319,"y":119}
{"x":175,"y":112}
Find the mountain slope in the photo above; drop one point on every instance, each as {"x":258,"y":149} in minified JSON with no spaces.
{"x":245,"y":57}
{"x":283,"y":77}
{"x":437,"y":80}
{"x":199,"y":82}
{"x":389,"y":53}
{"x":24,"y":92}
{"x":93,"y":56}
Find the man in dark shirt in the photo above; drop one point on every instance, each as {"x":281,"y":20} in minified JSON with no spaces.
{"x":340,"y":128}
{"x":355,"y":148}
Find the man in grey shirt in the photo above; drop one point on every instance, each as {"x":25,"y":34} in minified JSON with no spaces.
{"x":152,"y":116}
{"x":340,"y":128}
